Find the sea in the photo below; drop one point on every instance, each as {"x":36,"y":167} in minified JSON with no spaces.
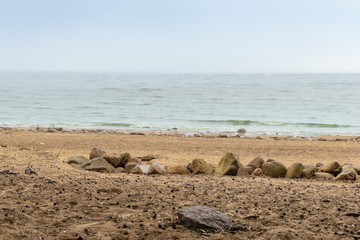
{"x":286,"y":104}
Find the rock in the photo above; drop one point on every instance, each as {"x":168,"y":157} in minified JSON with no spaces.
{"x":98,"y":164}
{"x":177,"y":169}
{"x":333,"y":167}
{"x":130,"y":165}
{"x":112,"y":159}
{"x":241,"y":131}
{"x":318,"y":166}
{"x":257,"y":172}
{"x":295,"y":170}
{"x":324,"y":175}
{"x":96,"y":152}
{"x":125,"y":158}
{"x":156,"y":168}
{"x":244,"y":170}
{"x":274,"y":169}
{"x":200,"y":217}
{"x":349,"y":168}
{"x":346,"y":175}
{"x":228,"y":165}
{"x":256,"y":162}
{"x":189,"y":167}
{"x":119,"y":170}
{"x":79,"y":160}
{"x":309,"y":172}
{"x":137,"y":160}
{"x":357,"y":169}
{"x":200,"y":166}
{"x":140,"y":169}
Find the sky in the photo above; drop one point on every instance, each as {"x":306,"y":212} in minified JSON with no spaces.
{"x":182,"y":36}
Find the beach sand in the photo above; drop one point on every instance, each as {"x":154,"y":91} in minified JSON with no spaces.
{"x":62,"y":202}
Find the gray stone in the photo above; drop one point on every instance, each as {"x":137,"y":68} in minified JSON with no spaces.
{"x":357,"y":169}
{"x":324,"y":175}
{"x":241,"y":131}
{"x":78,"y":160}
{"x":346,"y":175}
{"x":96,"y":152}
{"x":130,"y":165}
{"x":200,"y":217}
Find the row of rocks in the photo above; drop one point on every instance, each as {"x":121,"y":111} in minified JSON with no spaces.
{"x":100,"y":161}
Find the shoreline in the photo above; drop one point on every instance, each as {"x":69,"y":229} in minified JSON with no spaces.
{"x":177,"y":132}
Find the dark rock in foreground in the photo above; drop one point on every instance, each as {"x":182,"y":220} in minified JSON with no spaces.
{"x":200,"y":217}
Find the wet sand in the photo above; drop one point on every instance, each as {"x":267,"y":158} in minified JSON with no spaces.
{"x":62,"y":202}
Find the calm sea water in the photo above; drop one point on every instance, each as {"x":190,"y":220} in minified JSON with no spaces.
{"x":285,"y":104}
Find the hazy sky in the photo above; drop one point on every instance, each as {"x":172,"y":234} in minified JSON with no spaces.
{"x":245,"y":36}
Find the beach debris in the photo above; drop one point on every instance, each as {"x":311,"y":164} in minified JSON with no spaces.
{"x":332,"y":167}
{"x":96,"y":152}
{"x":228,"y":165}
{"x":29,"y":170}
{"x":201,"y":217}
{"x":257,"y":172}
{"x":137,"y":133}
{"x":241,"y":131}
{"x":98,"y":164}
{"x":140,"y":169}
{"x":119,"y":170}
{"x":79,"y":160}
{"x":324,"y":175}
{"x":200,"y":166}
{"x":156,"y":168}
{"x":275,"y":169}
{"x":295,"y":170}
{"x":177,"y":169}
{"x":309,"y":172}
{"x":6,"y":171}
{"x":244,"y":170}
{"x":257,"y":162}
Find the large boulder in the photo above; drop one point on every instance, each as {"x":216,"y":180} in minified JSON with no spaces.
{"x":333,"y":167}
{"x":140,"y":169}
{"x":309,"y":172}
{"x":295,"y":170}
{"x":257,"y":162}
{"x":201,"y":217}
{"x":324,"y":175}
{"x":274,"y":169}
{"x":177,"y":169}
{"x":244,"y":170}
{"x":98,"y":164}
{"x":96,"y":152}
{"x":78,"y":160}
{"x":228,"y":165}
{"x":156,"y":168}
{"x":200,"y":166}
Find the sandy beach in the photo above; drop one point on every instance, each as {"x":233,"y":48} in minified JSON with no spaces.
{"x":62,"y":202}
